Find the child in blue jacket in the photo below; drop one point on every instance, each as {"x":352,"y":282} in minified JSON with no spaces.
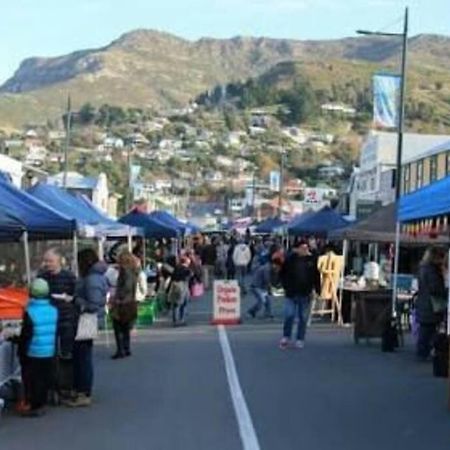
{"x":38,"y":346}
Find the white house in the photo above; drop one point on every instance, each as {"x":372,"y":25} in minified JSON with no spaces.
{"x":12,"y":168}
{"x":95,"y":188}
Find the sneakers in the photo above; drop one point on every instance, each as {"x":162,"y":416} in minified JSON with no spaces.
{"x":82,"y":400}
{"x":286,"y":343}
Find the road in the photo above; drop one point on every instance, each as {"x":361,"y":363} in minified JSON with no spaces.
{"x":174,"y":393}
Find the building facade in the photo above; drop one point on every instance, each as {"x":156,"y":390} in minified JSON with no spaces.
{"x":429,"y":166}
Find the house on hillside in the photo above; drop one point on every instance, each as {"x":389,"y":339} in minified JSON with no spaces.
{"x":95,"y":188}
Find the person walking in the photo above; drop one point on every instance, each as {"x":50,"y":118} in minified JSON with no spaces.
{"x":241,"y":259}
{"x":123,"y":304}
{"x":208,"y":255}
{"x":431,"y":303}
{"x":179,"y":290}
{"x":90,"y":298}
{"x":222,"y":256}
{"x":299,"y":277}
{"x":261,"y":289}
{"x":231,"y":269}
{"x":37,"y":347}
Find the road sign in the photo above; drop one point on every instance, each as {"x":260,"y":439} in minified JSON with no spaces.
{"x":227,"y":302}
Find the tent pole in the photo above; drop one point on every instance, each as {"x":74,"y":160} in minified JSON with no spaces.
{"x":341,"y":279}
{"x":101,"y":250}
{"x":396,"y":264}
{"x":27,"y":257}
{"x":144,"y":251}
{"x":75,"y":253}
{"x":130,"y":241}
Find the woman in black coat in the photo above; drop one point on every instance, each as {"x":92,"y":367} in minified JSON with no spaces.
{"x":432,"y":298}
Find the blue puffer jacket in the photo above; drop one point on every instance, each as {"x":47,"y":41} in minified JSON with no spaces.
{"x":44,"y":318}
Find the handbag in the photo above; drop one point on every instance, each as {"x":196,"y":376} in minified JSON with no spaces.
{"x":438,"y":304}
{"x":87,"y":327}
{"x":197,"y":290}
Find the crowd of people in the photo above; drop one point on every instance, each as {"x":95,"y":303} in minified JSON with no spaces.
{"x":62,"y":318}
{"x":61,"y":322}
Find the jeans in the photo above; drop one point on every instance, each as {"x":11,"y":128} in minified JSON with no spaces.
{"x":427,"y":333}
{"x":179,"y":310}
{"x":122,"y":335}
{"x":296,"y":306}
{"x":83,"y":367}
{"x":241,"y":271}
{"x":208,"y":276}
{"x":262,"y":298}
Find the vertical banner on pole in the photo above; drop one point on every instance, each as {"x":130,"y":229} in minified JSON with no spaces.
{"x":386,"y":100}
{"x":275,"y":181}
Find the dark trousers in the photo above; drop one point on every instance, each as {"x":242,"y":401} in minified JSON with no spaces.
{"x":39,"y":374}
{"x":83,"y":367}
{"x":427,"y":333}
{"x":122,"y":335}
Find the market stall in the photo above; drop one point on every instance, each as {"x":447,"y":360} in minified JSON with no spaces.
{"x":427,"y":212}
{"x":270,"y":226}
{"x":22,"y":218}
{"x":151,"y":226}
{"x":319,"y":224}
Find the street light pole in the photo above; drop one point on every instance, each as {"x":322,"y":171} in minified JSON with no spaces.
{"x":67,"y":142}
{"x":400,"y":130}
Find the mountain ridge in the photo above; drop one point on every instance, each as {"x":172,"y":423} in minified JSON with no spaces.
{"x":151,"y":68}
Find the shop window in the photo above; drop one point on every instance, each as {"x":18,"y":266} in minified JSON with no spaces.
{"x":433,"y":168}
{"x":419,"y":180}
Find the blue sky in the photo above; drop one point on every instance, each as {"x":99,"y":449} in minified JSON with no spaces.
{"x":54,"y":27}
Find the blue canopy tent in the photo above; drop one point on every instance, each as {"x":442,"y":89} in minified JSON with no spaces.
{"x":320,"y":223}
{"x":430,"y":202}
{"x":11,"y":227}
{"x":90,"y":221}
{"x":40,"y":220}
{"x":270,"y":225}
{"x":169,"y":219}
{"x":151,"y":226}
{"x":300,"y":218}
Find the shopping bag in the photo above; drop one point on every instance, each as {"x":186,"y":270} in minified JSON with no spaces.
{"x":197,"y":290}
{"x":87,"y":327}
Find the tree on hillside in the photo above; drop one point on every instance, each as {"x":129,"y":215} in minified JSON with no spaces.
{"x":86,"y":115}
{"x":300,"y":104}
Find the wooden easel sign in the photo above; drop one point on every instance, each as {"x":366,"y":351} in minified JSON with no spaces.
{"x":226,"y":303}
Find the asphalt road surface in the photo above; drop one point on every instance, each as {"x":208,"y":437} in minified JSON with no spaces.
{"x":177,"y":391}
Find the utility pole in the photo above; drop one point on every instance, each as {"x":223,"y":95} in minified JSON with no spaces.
{"x":253,"y":195}
{"x":281,"y":182}
{"x":129,"y":196}
{"x":67,"y":143}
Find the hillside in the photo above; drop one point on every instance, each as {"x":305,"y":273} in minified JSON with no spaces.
{"x":151,"y":69}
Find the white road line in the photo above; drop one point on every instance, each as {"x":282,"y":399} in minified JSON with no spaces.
{"x":246,"y":428}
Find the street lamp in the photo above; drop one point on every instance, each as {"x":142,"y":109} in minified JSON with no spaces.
{"x":400,"y":130}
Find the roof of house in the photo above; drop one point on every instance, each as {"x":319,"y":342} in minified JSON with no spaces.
{"x":74,"y":180}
